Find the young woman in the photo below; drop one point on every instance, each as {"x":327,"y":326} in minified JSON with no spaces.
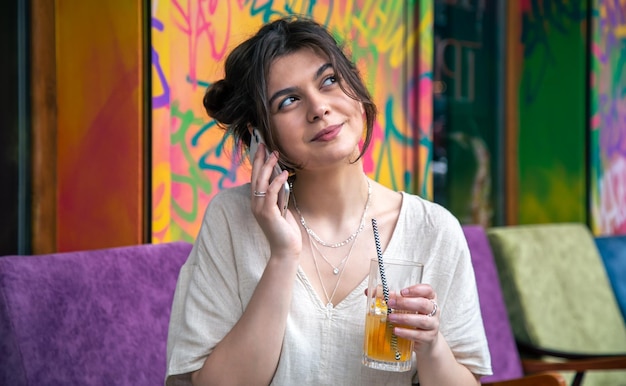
{"x":272,"y":299}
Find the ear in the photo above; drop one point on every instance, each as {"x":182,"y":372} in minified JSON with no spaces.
{"x":250,"y":128}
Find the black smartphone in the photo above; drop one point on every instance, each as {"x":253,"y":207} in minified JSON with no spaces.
{"x":283,"y":194}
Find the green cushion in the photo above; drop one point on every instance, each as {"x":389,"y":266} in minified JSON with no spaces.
{"x":556,"y":289}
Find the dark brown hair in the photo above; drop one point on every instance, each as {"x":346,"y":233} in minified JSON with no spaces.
{"x":241,"y":97}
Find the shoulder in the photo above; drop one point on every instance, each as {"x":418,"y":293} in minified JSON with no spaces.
{"x":430,"y":224}
{"x":228,"y":211}
{"x":430,"y":214}
{"x":230,"y":201}
{"x":232,"y":196}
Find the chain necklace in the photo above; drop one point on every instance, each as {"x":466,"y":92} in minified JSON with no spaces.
{"x":317,"y":239}
{"x":329,"y":305}
{"x":341,"y":263}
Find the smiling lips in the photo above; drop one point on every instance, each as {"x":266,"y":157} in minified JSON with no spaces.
{"x":328,"y":133}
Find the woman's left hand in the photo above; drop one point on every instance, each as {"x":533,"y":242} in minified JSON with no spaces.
{"x":420,"y":319}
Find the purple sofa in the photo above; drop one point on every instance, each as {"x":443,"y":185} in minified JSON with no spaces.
{"x":100,"y":317}
{"x":505,"y":359}
{"x":95,"y":317}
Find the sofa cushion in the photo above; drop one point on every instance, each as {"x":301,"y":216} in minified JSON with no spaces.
{"x":557,"y":291}
{"x":95,"y":317}
{"x":613,"y":252}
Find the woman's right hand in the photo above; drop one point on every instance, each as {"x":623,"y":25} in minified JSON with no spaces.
{"x":282,"y":233}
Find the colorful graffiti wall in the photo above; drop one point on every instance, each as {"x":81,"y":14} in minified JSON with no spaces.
{"x":608,"y":118}
{"x":551,"y":109}
{"x":191,"y":161}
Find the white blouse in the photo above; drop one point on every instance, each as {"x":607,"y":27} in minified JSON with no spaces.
{"x":321,"y":346}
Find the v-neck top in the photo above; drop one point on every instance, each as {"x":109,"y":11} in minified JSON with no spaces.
{"x":321,"y":346}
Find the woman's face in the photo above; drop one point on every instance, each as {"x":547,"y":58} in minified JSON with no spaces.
{"x":316,"y":123}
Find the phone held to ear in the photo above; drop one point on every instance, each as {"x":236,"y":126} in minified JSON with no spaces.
{"x":283,"y":194}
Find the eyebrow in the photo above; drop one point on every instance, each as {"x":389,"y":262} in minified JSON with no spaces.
{"x":290,"y":90}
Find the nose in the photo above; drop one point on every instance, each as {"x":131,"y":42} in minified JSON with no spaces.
{"x":318,"y":108}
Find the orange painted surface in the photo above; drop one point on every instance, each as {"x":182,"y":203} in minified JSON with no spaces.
{"x":100,"y":143}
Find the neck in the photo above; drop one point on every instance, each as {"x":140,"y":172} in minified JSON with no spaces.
{"x":335,"y":215}
{"x":330,"y":193}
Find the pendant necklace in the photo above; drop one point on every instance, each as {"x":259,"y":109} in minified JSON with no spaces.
{"x":336,"y":269}
{"x":329,"y":305}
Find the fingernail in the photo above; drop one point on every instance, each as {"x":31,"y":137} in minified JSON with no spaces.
{"x":391,"y":302}
{"x":404,"y":292}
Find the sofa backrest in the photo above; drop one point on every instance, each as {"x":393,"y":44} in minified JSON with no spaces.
{"x":505,"y":360}
{"x":96,"y":317}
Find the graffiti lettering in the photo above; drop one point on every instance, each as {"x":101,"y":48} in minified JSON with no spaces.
{"x":463,"y":71}
{"x":163,"y":99}
{"x":196,"y":20}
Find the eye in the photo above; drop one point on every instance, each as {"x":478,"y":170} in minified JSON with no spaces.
{"x":329,"y":80}
{"x":286,"y":102}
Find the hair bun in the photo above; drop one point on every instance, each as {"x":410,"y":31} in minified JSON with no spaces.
{"x":216,"y":98}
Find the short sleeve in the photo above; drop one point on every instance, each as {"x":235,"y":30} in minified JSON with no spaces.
{"x":206,"y":302}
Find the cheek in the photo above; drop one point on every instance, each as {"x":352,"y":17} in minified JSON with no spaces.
{"x":286,"y":133}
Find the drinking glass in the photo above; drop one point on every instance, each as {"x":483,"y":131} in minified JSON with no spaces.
{"x":382,"y":349}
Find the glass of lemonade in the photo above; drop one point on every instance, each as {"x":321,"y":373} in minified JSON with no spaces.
{"x":382,"y":349}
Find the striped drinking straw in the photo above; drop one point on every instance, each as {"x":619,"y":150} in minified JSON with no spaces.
{"x":383,"y":280}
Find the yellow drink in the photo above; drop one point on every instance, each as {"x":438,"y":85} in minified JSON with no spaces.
{"x":382,"y":349}
{"x":379,"y":341}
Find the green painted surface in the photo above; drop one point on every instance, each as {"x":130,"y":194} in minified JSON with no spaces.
{"x":552,"y":117}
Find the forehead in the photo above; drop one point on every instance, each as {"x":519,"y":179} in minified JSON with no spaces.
{"x":295,"y":67}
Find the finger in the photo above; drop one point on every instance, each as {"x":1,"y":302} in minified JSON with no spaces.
{"x":258,"y":162}
{"x":418,"y":334}
{"x":265,"y":174}
{"x":410,"y":321}
{"x":433,"y":312}
{"x":419,"y":290}
{"x":262,"y":169}
{"x":378,"y":292}
{"x":414,"y":305}
{"x":271,"y":188}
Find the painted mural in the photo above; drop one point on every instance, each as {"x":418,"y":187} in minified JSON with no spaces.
{"x":551,"y":106}
{"x":608,"y":118}
{"x":192,"y":161}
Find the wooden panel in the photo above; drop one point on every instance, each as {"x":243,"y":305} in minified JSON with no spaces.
{"x":43,"y":121}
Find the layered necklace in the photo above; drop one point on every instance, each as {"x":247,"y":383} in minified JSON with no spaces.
{"x":329,"y":299}
{"x":312,"y":236}
{"x":353,"y":236}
